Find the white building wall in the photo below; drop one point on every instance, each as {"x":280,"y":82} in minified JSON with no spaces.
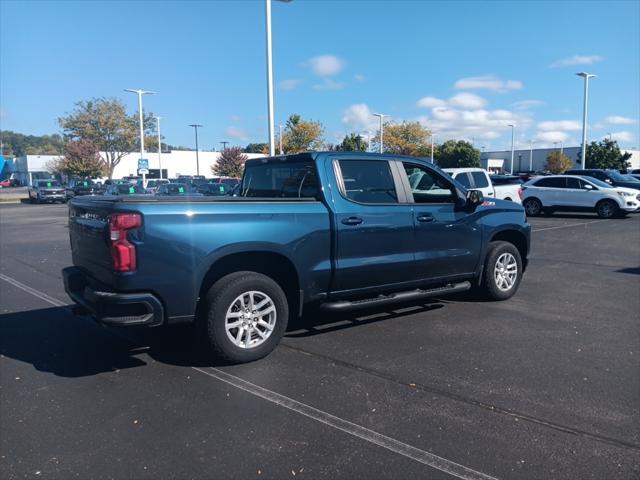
{"x":176,"y":162}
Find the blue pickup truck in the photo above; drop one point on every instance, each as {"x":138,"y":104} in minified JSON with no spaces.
{"x":340,"y":230}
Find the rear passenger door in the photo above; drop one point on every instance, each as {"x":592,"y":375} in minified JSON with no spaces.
{"x":374,"y":226}
{"x":550,"y":190}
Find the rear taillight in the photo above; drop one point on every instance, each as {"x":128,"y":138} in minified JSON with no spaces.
{"x":520,"y":190}
{"x":123,"y":253}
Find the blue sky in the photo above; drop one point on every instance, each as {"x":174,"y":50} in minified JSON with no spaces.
{"x":464,"y":69}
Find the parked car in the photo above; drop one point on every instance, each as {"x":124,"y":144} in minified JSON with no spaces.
{"x":342,"y":229}
{"x":575,"y":193}
{"x":154,"y":184}
{"x":479,"y":179}
{"x":47,"y":191}
{"x":9,"y":182}
{"x":213,"y":189}
{"x":635,"y":175}
{"x":83,"y":186}
{"x":120,"y":189}
{"x":176,"y":189}
{"x":612,"y":177}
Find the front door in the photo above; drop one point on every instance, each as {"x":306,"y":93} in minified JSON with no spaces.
{"x":447,"y":238}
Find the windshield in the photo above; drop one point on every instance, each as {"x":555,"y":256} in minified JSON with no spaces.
{"x":48,"y":183}
{"x":616,"y":176}
{"x":630,"y":178}
{"x":598,"y":183}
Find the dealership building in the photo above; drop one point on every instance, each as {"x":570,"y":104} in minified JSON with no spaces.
{"x":537,"y":158}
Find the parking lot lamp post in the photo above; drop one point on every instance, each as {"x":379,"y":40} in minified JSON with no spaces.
{"x":530,"y":155}
{"x":381,"y":116}
{"x":140,"y":93}
{"x":583,"y":153}
{"x":196,"y":126}
{"x":512,"y":144}
{"x":280,"y":138}
{"x":433,"y":140}
{"x":159,"y":146}
{"x":224,"y":144}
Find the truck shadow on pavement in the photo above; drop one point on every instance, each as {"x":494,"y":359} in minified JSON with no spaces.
{"x":54,"y":340}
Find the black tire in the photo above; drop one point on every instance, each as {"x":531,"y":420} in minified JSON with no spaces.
{"x":489,"y":287}
{"x":219,"y":300}
{"x":607,"y":209}
{"x":532,"y":207}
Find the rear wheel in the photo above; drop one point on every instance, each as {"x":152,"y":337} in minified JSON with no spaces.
{"x":607,"y":208}
{"x":502,"y":271}
{"x":532,"y":206}
{"x":245,"y":316}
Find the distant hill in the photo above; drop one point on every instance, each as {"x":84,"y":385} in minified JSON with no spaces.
{"x":18,"y":144}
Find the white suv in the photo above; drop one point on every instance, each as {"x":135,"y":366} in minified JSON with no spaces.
{"x":575,"y":193}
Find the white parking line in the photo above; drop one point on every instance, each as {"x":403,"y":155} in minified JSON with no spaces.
{"x":567,"y":226}
{"x":32,"y":291}
{"x":371,"y":436}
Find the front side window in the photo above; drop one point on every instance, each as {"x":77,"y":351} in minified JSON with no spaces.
{"x":427,"y":186}
{"x":368,"y":181}
{"x":480,"y":179}
{"x":573,"y":183}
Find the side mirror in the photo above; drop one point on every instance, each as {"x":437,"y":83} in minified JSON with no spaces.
{"x":608,"y":180}
{"x":588,"y":186}
{"x":474,"y":198}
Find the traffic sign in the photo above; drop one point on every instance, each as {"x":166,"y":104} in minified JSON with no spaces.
{"x":143,"y":171}
{"x":143,"y":164}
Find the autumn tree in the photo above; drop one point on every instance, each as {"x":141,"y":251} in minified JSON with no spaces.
{"x":81,"y":159}
{"x":352,"y":143}
{"x":104,"y":122}
{"x":406,"y":138}
{"x":256,"y":148}
{"x":230,"y":163}
{"x":558,"y":162}
{"x":606,"y":154}
{"x":302,"y":135}
{"x":457,"y":154}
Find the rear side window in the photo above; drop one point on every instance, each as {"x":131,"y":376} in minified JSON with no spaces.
{"x":480,"y":179}
{"x":280,"y":180}
{"x":463,"y":179}
{"x":367,"y":181}
{"x":555,"y":182}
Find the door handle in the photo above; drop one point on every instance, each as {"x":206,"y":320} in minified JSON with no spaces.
{"x":425,"y":217}
{"x":352,"y":221}
{"x":490,"y":194}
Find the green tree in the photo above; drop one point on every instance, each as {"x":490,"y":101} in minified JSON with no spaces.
{"x":352,"y":143}
{"x":17,"y":144}
{"x":104,"y":121}
{"x":302,"y":135}
{"x":230,"y":163}
{"x":606,"y":154}
{"x":256,"y":148}
{"x":457,"y":154}
{"x":558,"y":162}
{"x":81,"y":159}
{"x":406,"y":138}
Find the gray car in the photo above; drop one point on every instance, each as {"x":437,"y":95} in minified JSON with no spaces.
{"x":47,"y":191}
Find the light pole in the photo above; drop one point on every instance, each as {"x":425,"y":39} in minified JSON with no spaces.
{"x":280,"y":138}
{"x":140,"y":93}
{"x":609,"y":135}
{"x":196,"y":126}
{"x":224,"y":144}
{"x":530,"y":155}
{"x":159,"y":145}
{"x":583,"y":153}
{"x":381,"y":116}
{"x":433,"y":140}
{"x":513,"y":127}
{"x":272,"y":146}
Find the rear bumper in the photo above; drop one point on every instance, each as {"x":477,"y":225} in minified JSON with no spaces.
{"x":111,"y":308}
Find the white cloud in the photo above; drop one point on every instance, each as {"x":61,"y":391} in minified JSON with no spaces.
{"x":577,"y":60}
{"x":488,"y":82}
{"x":236,"y":132}
{"x":526,"y":104}
{"x":563,"y":125}
{"x":329,"y":84}
{"x":359,"y":77}
{"x":467,"y":100}
{"x":551,"y":136}
{"x":622,"y":136}
{"x":359,"y":118}
{"x":325,"y":65}
{"x":618,"y":120}
{"x":430,"y":102}
{"x":235,"y":118}
{"x":290,"y":84}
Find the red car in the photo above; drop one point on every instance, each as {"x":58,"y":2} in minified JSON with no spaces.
{"x":9,"y":182}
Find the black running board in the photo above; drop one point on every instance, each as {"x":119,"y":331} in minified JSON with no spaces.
{"x":407,"y":296}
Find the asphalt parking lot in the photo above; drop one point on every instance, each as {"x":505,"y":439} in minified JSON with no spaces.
{"x":545,"y":385}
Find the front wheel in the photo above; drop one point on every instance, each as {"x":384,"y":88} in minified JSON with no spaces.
{"x":502,"y":271}
{"x":245,"y":316}
{"x":606,"y":209}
